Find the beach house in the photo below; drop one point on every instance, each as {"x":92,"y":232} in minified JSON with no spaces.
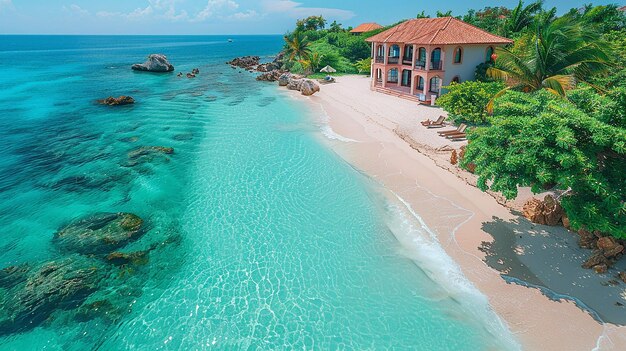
{"x":365,"y":27}
{"x":416,"y":58}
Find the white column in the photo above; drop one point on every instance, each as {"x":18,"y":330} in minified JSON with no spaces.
{"x":443,"y":59}
{"x":428,"y":53}
{"x":413,"y":81}
{"x":384,"y":70}
{"x":415,"y":53}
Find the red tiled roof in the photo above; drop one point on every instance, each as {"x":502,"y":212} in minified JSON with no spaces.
{"x":437,"y":31}
{"x":366,"y":27}
{"x":623,"y":8}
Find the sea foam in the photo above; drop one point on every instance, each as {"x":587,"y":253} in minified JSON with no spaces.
{"x":428,"y":254}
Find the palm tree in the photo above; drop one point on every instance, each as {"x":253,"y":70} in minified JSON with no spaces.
{"x":561,"y":55}
{"x":297,"y":46}
{"x":311,"y":63}
{"x":522,"y":17}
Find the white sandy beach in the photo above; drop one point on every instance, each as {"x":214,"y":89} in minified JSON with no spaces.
{"x":455,"y":210}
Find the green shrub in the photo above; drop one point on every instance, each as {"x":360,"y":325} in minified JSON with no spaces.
{"x":466,"y":102}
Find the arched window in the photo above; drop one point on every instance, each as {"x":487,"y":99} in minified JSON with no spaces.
{"x":392,"y":76}
{"x":458,"y":55}
{"x":489,"y":54}
{"x":421,"y":58}
{"x":406,"y":77}
{"x":379,"y":75}
{"x":456,"y":79}
{"x":394,"y":54}
{"x":435,"y":59}
{"x":434,"y":84}
{"x":420,"y":83}
{"x":408,"y":53}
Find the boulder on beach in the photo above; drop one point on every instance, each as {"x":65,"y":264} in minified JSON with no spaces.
{"x":155,"y":63}
{"x":61,"y":284}
{"x":294,"y":83}
{"x":547,"y":212}
{"x":283,"y":79}
{"x":309,"y":87}
{"x":100,"y":233}
{"x":120,"y":101}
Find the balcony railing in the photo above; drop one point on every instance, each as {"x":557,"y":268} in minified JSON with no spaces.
{"x":435,"y":65}
{"x":392,"y":80}
{"x":393,"y":60}
{"x":420,"y":64}
{"x":407,"y":61}
{"x":380,"y":59}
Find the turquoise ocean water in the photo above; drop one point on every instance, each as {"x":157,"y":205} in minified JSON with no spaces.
{"x":260,"y":236}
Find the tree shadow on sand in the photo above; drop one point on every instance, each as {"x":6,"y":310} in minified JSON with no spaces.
{"x":549,"y":259}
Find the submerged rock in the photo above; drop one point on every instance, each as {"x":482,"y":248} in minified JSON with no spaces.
{"x":101,"y":233}
{"x":121,"y":258}
{"x":155,"y":63}
{"x":61,"y":284}
{"x":120,"y":101}
{"x":147,"y":150}
{"x":11,"y":276}
{"x":309,"y":87}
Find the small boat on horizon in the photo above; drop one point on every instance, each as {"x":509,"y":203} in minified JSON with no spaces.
{"x":230,"y":40}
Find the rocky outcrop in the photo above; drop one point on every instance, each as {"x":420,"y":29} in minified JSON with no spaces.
{"x":53,"y":285}
{"x":155,"y":63}
{"x":283,"y":79}
{"x":100,"y":233}
{"x":546,"y":212}
{"x":268,"y":67}
{"x":309,"y":87}
{"x":622,"y":276}
{"x":606,"y":250}
{"x":122,"y":100}
{"x":245,"y":62}
{"x":270,"y":76}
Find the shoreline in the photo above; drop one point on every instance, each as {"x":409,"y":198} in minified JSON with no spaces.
{"x":377,"y":123}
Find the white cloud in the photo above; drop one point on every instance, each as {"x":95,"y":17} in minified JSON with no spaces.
{"x":76,"y":10}
{"x":244,"y":15}
{"x":213,"y":6}
{"x":163,"y":9}
{"x":295,"y":10}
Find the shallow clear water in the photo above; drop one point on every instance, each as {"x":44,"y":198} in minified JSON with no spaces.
{"x":260,"y":237}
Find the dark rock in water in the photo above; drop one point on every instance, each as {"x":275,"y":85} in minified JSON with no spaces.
{"x":183,"y":137}
{"x":132,"y":139}
{"x":155,"y":63}
{"x":101,"y":233}
{"x":147,"y":150}
{"x":121,"y":259}
{"x":62,"y":284}
{"x":11,"y":276}
{"x":120,"y":101}
{"x":245,"y":62}
{"x":145,"y":154}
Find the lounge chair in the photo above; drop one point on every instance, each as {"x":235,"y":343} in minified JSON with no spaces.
{"x":458,"y":137}
{"x":460,"y":129}
{"x":428,"y":122}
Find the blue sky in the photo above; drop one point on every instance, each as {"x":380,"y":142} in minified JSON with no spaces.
{"x":217,"y":16}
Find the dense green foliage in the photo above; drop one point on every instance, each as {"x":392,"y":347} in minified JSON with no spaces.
{"x":467,"y":102}
{"x":561,"y":124}
{"x":561,"y":54}
{"x":542,"y":141}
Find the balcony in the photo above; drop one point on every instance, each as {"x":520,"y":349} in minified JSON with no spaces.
{"x":407,"y":61}
{"x":420,"y":65}
{"x":436,"y":65}
{"x":393,"y":60}
{"x":380,"y":59}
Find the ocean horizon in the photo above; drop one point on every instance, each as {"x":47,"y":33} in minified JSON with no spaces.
{"x":256,"y":235}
